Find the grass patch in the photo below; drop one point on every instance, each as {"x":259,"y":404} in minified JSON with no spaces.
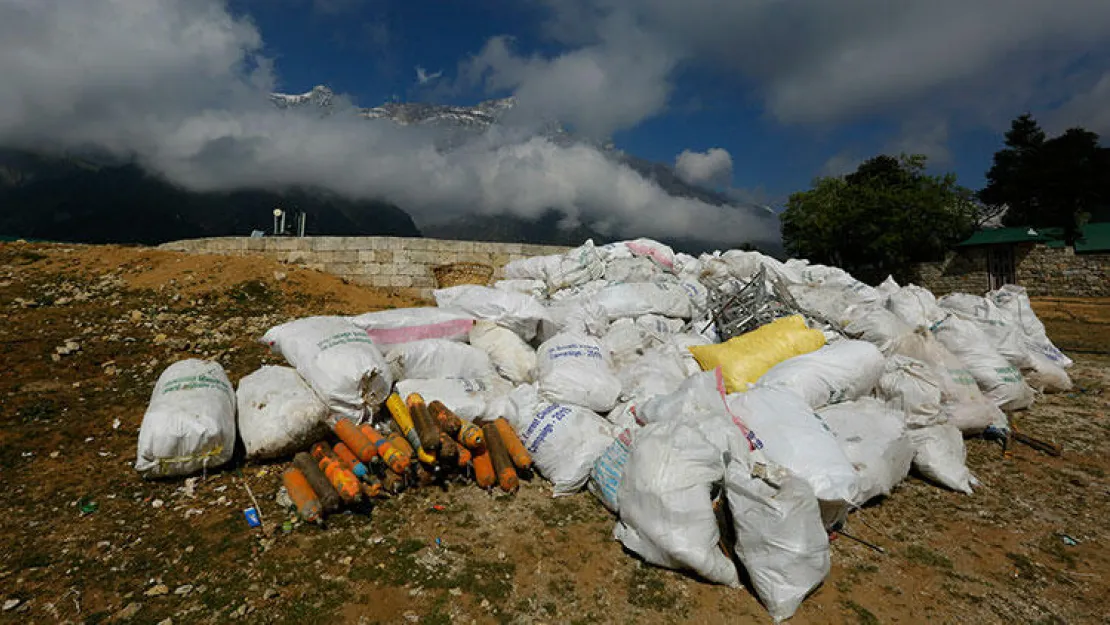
{"x":647,"y":588}
{"x":863,"y":615}
{"x":927,"y":557}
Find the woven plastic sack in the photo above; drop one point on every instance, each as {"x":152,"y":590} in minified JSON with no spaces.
{"x":189,"y":424}
{"x":745,"y":358}
{"x":912,"y":387}
{"x":940,"y":456}
{"x":574,"y":368}
{"x":842,"y":371}
{"x":1000,"y":381}
{"x":279,"y":414}
{"x":874,"y":439}
{"x":514,"y":359}
{"x":515,"y":311}
{"x":338,"y":360}
{"x":402,"y":325}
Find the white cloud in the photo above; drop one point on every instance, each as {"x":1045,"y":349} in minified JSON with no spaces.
{"x":423,"y":77}
{"x":820,"y":61}
{"x":712,"y":167}
{"x":179,"y":85}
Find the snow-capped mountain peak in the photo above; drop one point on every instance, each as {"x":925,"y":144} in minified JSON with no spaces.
{"x":319,"y":96}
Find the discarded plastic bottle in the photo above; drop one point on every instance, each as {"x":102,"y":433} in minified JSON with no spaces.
{"x":329,"y":497}
{"x":513,"y":445}
{"x":502,"y":464}
{"x":396,"y":460}
{"x":426,"y":427}
{"x":448,"y":421}
{"x":304,"y":498}
{"x":402,"y":416}
{"x":351,"y":462}
{"x":355,"y":439}
{"x":345,"y":482}
{"x":471,"y":436}
{"x":483,"y":468}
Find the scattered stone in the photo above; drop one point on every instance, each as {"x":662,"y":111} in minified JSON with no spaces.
{"x":157,"y":503}
{"x":11,"y":604}
{"x":160,"y":338}
{"x":183,"y":591}
{"x":157,"y":591}
{"x":128,"y":612}
{"x":279,"y":275}
{"x":136,"y":316}
{"x":270,"y":593}
{"x":166,"y":621}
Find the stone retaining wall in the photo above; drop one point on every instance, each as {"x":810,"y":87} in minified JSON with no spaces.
{"x":1044,"y":271}
{"x":388,"y":262}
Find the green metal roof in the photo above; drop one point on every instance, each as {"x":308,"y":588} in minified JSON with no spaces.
{"x":1094,"y":237}
{"x":996,"y":236}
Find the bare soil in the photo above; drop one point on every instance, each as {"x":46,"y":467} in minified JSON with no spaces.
{"x":1029,"y":547}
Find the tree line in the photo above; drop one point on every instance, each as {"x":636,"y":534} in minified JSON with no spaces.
{"x":890,"y":213}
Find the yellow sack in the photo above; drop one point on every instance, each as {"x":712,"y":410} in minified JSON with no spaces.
{"x":745,"y":358}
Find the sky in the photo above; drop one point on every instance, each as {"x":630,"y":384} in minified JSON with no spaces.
{"x":752,"y":97}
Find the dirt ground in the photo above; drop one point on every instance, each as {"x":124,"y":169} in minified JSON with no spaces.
{"x":84,"y":539}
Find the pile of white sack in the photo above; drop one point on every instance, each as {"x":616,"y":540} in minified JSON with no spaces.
{"x":588,"y":355}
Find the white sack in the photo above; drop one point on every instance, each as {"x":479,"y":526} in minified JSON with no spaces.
{"x":915,"y":306}
{"x":279,"y":414}
{"x":666,"y":512}
{"x":1000,"y":381}
{"x":837,"y":372}
{"x":524,"y":286}
{"x":659,"y":371}
{"x":912,"y":387}
{"x":564,"y":441}
{"x":780,"y":538}
{"x":888,"y":286}
{"x":574,"y":368}
{"x":401,"y":325}
{"x":515,"y":311}
{"x":659,"y":253}
{"x":514,"y":359}
{"x":189,"y":424}
{"x":474,"y":398}
{"x":625,"y":341}
{"x":797,"y":438}
{"x":438,"y":358}
{"x":1045,"y":375}
{"x":623,"y":417}
{"x":636,"y":299}
{"x":631,"y":270}
{"x":533,"y":268}
{"x":877,"y":326}
{"x":608,"y":469}
{"x":580,"y":315}
{"x":576,"y":267}
{"x":874,"y":439}
{"x":940,"y":456}
{"x":1014,"y":302}
{"x":962,"y":403}
{"x":338,"y":360}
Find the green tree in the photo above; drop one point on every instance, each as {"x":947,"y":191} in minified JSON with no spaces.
{"x":1054,"y":182}
{"x":880,"y":219}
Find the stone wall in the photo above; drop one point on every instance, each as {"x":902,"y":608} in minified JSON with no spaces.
{"x":1042,"y":270}
{"x":400,"y":263}
{"x":1060,"y":272}
{"x":959,"y":272}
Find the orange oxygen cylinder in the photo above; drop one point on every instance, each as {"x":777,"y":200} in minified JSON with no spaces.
{"x":448,"y":421}
{"x":354,"y":439}
{"x":517,"y":453}
{"x":401,"y":444}
{"x":426,"y":427}
{"x":345,"y":482}
{"x":372,"y":487}
{"x":502,"y":465}
{"x":329,"y":498}
{"x":470,"y":435}
{"x":308,"y":505}
{"x":396,"y":460}
{"x":483,"y":469}
{"x":465,"y":457}
{"x":351,"y":462}
{"x":448,"y":450}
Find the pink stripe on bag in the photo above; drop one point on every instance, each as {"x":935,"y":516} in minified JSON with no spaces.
{"x":640,"y":249}
{"x":456,"y":328}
